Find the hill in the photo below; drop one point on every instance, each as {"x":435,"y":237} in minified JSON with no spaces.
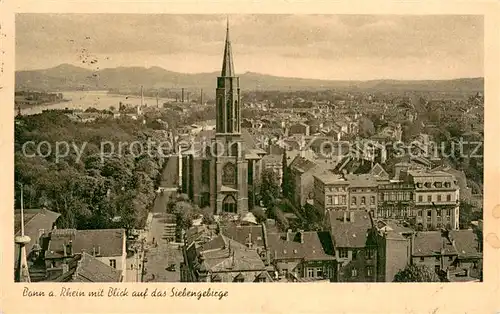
{"x":68,"y":77}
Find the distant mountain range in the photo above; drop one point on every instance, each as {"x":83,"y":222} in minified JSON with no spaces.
{"x":68,"y":77}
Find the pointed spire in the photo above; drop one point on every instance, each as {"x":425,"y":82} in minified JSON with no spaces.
{"x":227,"y":64}
{"x":22,"y":272}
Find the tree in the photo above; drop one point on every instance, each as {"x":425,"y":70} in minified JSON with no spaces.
{"x":366,"y":127}
{"x":269,"y":189}
{"x":259,"y":214}
{"x":286,"y":186}
{"x":414,"y":273}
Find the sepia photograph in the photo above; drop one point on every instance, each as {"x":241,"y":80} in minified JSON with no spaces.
{"x":248,"y":148}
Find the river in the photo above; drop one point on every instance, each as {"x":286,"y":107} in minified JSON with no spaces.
{"x":96,"y":99}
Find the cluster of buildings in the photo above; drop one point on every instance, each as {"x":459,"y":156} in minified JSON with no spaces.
{"x":352,"y":247}
{"x":45,"y":253}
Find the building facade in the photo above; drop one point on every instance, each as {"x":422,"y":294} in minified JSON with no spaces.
{"x":221,"y":174}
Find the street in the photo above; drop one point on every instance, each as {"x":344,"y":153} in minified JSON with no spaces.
{"x":161,"y":254}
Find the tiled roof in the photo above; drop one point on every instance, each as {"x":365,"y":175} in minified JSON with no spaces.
{"x":466,"y":243}
{"x":34,"y":221}
{"x":226,"y":259}
{"x":241,"y":233}
{"x":349,"y":234}
{"x":86,"y":268}
{"x":330,"y":178}
{"x":106,"y":242}
{"x":315,"y":246}
{"x":361,"y":180}
{"x":430,"y":243}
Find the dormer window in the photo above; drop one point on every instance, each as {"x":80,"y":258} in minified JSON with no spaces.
{"x":447,"y":184}
{"x":428,"y":185}
{"x":438,"y":184}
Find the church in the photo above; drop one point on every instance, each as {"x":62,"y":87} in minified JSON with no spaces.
{"x":222,"y":174}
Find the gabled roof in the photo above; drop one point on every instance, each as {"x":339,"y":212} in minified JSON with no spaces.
{"x":349,"y":234}
{"x":430,"y":243}
{"x":466,"y":243}
{"x":107,"y":242}
{"x":315,"y":246}
{"x":86,"y":268}
{"x":242,"y":234}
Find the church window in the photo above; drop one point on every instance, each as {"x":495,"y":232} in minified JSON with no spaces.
{"x":220,"y":113}
{"x":229,"y":117}
{"x":234,"y":149}
{"x":229,"y":174}
{"x":205,"y":174}
{"x":229,"y":204}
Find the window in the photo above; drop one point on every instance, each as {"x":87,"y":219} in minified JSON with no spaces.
{"x":354,"y":272}
{"x":335,"y":200}
{"x":310,"y":272}
{"x":343,"y":200}
{"x":429,"y":213}
{"x":229,"y":174}
{"x":354,"y":254}
{"x":439,"y":198}
{"x":229,"y":204}
{"x":319,"y":271}
{"x":112,"y":263}
{"x":363,"y":200}
{"x":353,"y":200}
{"x":420,"y":213}
{"x":420,"y":198}
{"x":438,"y":212}
{"x":329,"y":200}
{"x":343,"y":253}
{"x":450,"y":258}
{"x":205,"y":174}
{"x":369,"y":253}
{"x":448,"y":198}
{"x":369,"y":271}
{"x":372,"y":200}
{"x":428,"y":185}
{"x":447,"y":184}
{"x":422,"y":259}
{"x":438,"y":184}
{"x":429,"y":198}
{"x":448,"y":212}
{"x":438,"y":258}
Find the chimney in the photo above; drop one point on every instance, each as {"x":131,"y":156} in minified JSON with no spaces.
{"x":93,"y":251}
{"x":301,"y":236}
{"x":289,"y":235}
{"x":351,"y":216}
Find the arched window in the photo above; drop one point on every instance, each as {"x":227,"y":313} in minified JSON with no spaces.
{"x":229,"y":117}
{"x":228,"y":174}
{"x":237,"y":115}
{"x":229,"y":204}
{"x":234,"y":149}
{"x":220,"y":113}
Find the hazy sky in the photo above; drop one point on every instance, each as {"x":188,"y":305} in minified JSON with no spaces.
{"x":310,"y":46}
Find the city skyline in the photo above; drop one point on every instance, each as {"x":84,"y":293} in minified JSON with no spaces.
{"x":332,"y":47}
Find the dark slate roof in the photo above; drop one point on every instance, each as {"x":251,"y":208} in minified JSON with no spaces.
{"x":349,"y":234}
{"x":86,"y":268}
{"x":315,"y":246}
{"x":107,"y":242}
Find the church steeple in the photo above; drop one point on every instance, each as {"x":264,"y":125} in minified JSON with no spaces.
{"x":228,"y":94}
{"x":227,"y":63}
{"x":22,"y":272}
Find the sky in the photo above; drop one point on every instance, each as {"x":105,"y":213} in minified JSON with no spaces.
{"x":337,"y":47}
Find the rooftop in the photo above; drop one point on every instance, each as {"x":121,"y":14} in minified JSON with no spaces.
{"x":350,"y":234}
{"x":314,"y":245}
